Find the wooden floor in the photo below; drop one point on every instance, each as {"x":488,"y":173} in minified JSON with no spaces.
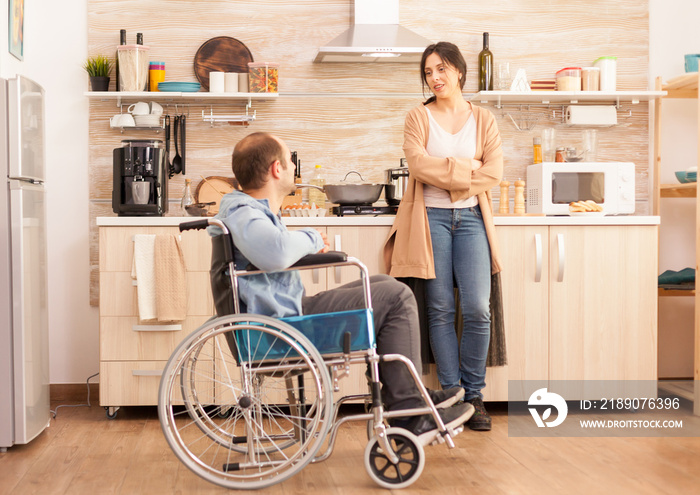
{"x":84,"y":452}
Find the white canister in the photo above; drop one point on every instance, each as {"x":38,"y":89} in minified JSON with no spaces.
{"x":608,"y":73}
{"x":231,"y":82}
{"x":216,"y":82}
{"x":243,"y":82}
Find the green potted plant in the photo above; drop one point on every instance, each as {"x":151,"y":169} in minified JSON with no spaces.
{"x":98,"y":69}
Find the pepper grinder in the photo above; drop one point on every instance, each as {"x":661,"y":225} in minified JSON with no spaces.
{"x":504,"y":202}
{"x":519,"y":205}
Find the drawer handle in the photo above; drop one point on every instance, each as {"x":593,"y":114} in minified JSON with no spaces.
{"x":538,"y":257}
{"x":562,"y":257}
{"x":156,"y":328}
{"x":147,"y":372}
{"x":338,"y":247}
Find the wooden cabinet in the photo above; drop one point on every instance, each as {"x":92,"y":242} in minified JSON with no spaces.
{"x":133,"y":353}
{"x":685,"y":86}
{"x":579,"y":304}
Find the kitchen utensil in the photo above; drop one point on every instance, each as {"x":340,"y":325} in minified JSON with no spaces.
{"x":220,"y":54}
{"x":140,"y":108}
{"x":350,"y":194}
{"x":216,"y":82}
{"x":213,"y":189}
{"x":168,"y":165}
{"x":122,"y":120}
{"x":140,"y":190}
{"x":182,"y":143}
{"x":199,"y":209}
{"x":590,"y":144}
{"x":177,"y":160}
{"x":691,"y":62}
{"x":397,"y":180}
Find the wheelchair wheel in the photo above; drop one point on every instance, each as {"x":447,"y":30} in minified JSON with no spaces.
{"x":411,"y":459}
{"x":251,"y":423}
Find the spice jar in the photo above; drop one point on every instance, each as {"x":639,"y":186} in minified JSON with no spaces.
{"x":560,"y":155}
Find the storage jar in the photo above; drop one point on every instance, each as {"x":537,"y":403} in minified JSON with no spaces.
{"x":263,"y":77}
{"x":590,"y":79}
{"x":569,"y":79}
{"x":608,"y":73}
{"x":133,"y":67}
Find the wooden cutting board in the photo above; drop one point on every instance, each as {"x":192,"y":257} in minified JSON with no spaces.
{"x":220,"y":54}
{"x":213,"y":189}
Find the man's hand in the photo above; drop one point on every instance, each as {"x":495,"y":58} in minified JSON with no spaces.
{"x":325,"y":241}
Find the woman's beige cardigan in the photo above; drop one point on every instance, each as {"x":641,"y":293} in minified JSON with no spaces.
{"x":408,"y":251}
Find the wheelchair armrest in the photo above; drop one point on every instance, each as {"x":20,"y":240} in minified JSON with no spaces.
{"x":322,"y":259}
{"x":311,"y":260}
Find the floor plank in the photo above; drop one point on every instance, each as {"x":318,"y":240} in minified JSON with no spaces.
{"x":84,"y":452}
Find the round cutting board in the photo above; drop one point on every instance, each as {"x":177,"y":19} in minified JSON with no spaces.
{"x":213,"y":189}
{"x":220,"y":54}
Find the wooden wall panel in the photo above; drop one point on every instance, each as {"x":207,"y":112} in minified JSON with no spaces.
{"x":344,"y":133}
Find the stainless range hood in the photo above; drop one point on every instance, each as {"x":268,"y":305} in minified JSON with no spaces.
{"x":376,"y":36}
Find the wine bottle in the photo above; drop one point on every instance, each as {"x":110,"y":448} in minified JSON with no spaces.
{"x":486,"y":66}
{"x":122,"y":41}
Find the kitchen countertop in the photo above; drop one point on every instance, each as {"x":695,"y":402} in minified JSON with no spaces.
{"x":353,"y":221}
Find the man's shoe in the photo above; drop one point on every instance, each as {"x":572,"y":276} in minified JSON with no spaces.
{"x":481,"y":420}
{"x":445,"y":398}
{"x":424,"y":426}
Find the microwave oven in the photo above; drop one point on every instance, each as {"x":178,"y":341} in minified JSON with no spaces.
{"x":551,"y":186}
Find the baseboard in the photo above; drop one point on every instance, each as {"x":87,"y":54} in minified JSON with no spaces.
{"x":74,"y":392}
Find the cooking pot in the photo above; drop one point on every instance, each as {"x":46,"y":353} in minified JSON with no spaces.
{"x":362,"y":193}
{"x":397,"y":180}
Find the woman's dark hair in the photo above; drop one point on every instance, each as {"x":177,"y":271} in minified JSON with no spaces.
{"x":252,"y":157}
{"x":450,"y":55}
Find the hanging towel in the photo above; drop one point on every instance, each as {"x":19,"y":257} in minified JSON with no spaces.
{"x":171,"y":289}
{"x":143,"y":271}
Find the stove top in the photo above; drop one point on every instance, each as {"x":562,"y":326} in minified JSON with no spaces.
{"x":343,"y":210}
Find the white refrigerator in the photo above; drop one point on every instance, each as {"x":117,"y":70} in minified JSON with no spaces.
{"x":24,"y":354}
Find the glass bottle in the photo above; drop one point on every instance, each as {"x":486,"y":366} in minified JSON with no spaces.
{"x":187,"y":198}
{"x":315,"y":196}
{"x":486,"y":66}
{"x":536,"y":150}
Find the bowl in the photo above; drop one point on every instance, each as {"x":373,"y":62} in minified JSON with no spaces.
{"x":691,"y":62}
{"x":686,"y":177}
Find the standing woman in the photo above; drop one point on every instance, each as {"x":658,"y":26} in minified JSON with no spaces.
{"x":444,"y":229}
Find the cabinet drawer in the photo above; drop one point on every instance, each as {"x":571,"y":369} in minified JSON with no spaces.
{"x":117,"y":247}
{"x":119,"y":294}
{"x":127,"y":339}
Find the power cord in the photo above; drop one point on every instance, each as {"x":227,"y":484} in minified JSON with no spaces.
{"x":87,"y":383}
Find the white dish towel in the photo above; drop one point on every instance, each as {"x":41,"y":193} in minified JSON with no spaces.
{"x":144,"y":272}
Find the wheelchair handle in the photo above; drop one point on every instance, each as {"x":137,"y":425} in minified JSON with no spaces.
{"x":194,"y":225}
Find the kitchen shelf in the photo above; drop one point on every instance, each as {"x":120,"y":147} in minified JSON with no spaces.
{"x":684,"y":86}
{"x":179,"y":97}
{"x":679,"y":190}
{"x":675,"y":293}
{"x":500,"y":98}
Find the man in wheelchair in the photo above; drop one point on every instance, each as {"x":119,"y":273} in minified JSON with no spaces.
{"x":262,"y":165}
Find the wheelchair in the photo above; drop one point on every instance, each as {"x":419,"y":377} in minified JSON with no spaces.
{"x":246,"y":401}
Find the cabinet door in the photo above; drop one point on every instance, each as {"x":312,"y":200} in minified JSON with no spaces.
{"x":314,"y":280}
{"x":525,"y":279}
{"x":364,"y":243}
{"x":603,"y":305}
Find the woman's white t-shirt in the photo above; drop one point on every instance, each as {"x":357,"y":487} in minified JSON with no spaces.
{"x":442,"y":144}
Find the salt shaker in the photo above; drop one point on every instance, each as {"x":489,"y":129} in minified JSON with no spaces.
{"x":519,"y":204}
{"x":504,"y":202}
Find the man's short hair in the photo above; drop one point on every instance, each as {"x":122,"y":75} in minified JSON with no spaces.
{"x":252,"y":157}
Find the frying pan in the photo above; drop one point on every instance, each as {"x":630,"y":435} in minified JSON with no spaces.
{"x":363,"y":193}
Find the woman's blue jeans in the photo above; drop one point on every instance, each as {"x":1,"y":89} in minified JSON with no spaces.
{"x":462,"y":256}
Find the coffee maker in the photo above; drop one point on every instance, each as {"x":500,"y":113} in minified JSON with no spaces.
{"x":140,"y":179}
